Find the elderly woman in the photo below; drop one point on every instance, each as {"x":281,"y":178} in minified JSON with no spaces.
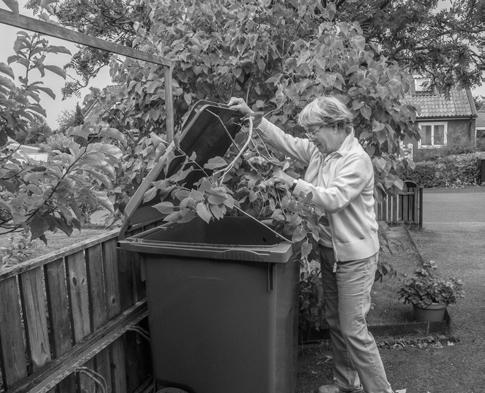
{"x":340,"y":177}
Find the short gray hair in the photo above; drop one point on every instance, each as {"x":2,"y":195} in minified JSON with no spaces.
{"x":326,"y":110}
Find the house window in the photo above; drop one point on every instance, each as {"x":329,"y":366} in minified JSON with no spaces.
{"x":432,"y":135}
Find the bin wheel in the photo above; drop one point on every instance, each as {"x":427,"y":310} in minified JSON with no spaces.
{"x":171,"y":390}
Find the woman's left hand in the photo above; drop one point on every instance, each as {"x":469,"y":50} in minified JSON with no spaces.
{"x":282,"y":177}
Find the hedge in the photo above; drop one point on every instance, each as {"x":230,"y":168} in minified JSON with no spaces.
{"x":453,"y":171}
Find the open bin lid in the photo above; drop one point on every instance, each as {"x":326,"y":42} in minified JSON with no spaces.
{"x":208,"y":131}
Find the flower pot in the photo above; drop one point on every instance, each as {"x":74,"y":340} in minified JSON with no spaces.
{"x":433,"y":313}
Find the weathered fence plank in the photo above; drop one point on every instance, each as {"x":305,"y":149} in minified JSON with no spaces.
{"x":126,"y":280}
{"x":99,"y":304}
{"x":60,"y":311}
{"x":35,"y":309}
{"x":86,"y":382}
{"x":12,"y":333}
{"x":103,"y":367}
{"x":118,"y":366}
{"x":78,"y":288}
{"x":112,"y":280}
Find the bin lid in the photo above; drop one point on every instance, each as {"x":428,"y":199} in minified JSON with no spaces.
{"x":208,"y":131}
{"x":229,"y":239}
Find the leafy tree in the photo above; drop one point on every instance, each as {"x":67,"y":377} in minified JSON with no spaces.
{"x":422,"y":35}
{"x":443,"y":40}
{"x":46,"y":196}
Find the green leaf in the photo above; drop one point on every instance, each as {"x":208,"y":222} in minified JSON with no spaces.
{"x":298,"y":234}
{"x":216,"y":198}
{"x":13,"y":5}
{"x":7,"y":83}
{"x":306,"y":248}
{"x":377,"y":126}
{"x":203,"y":212}
{"x":366,"y":111}
{"x":80,"y":131}
{"x":215,"y":162}
{"x":58,"y":49}
{"x":114,"y":134}
{"x":196,"y":195}
{"x":218,"y":211}
{"x":6,"y":69}
{"x":37,"y":108}
{"x":164,"y":207}
{"x":104,"y":201}
{"x":150,"y":194}
{"x":105,"y":180}
{"x":46,"y":90}
{"x":56,"y":70}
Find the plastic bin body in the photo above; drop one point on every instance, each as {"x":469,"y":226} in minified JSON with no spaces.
{"x":223,"y":307}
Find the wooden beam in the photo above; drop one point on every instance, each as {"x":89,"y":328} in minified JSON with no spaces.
{"x":63,"y":366}
{"x":169,"y":103}
{"x":50,"y":29}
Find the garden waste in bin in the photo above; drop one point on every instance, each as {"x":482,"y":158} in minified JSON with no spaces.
{"x":222,"y":300}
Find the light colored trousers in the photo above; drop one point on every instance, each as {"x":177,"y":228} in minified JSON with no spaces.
{"x":347,"y":299}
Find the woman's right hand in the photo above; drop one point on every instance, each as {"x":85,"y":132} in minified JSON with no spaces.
{"x":240,"y":105}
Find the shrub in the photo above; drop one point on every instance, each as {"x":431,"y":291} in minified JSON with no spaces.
{"x":452,"y":171}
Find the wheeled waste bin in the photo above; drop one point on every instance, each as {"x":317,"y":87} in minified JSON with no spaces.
{"x":222,"y":300}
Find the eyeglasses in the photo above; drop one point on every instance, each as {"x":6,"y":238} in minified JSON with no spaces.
{"x":312,"y":130}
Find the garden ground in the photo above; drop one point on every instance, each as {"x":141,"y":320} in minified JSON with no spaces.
{"x":453,"y":364}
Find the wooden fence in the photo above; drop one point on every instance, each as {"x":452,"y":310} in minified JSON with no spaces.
{"x":74,"y":315}
{"x":403,"y":208}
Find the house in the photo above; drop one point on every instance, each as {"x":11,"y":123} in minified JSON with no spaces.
{"x":446,"y":122}
{"x":480,"y":128}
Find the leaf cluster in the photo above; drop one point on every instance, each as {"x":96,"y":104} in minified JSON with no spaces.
{"x":425,"y":287}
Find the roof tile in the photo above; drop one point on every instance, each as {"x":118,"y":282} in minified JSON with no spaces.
{"x":438,"y":105}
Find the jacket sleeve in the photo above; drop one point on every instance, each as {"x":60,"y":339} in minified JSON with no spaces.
{"x":298,"y":148}
{"x":348,"y":184}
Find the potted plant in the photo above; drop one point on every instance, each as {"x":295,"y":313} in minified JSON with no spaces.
{"x":429,"y":293}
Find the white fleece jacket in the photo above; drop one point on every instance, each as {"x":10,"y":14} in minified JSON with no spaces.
{"x":342,"y":183}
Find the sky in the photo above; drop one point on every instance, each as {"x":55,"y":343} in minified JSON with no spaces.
{"x":55,"y":108}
